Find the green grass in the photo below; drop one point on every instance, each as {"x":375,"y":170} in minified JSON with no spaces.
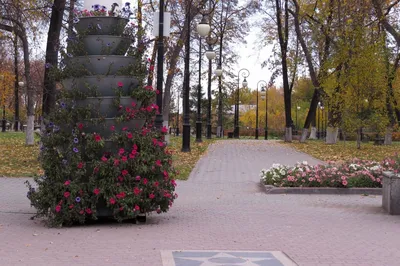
{"x":17,"y":159}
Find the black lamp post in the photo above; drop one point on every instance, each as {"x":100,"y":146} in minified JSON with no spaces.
{"x":210,"y":54}
{"x":265,"y":84}
{"x":244,"y":84}
{"x":160,"y":67}
{"x":264,"y":96}
{"x":297,"y":110}
{"x":203,"y":28}
{"x":218,"y":72}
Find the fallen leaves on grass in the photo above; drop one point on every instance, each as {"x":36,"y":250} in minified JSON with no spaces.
{"x":343,"y":151}
{"x":184,"y":162}
{"x":17,"y":159}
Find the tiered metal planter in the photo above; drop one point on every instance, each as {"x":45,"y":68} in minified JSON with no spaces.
{"x":108,"y":93}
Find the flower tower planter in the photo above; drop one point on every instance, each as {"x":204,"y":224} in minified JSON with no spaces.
{"x":391,"y":193}
{"x":101,"y":155}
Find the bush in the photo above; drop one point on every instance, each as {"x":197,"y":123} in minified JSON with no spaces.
{"x":354,"y":173}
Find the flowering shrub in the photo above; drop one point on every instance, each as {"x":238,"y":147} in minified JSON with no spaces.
{"x":101,"y":11}
{"x":354,"y":173}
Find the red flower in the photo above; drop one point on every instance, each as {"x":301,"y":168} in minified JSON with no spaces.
{"x":66,"y":194}
{"x":173,"y":182}
{"x":124,"y":172}
{"x":154,"y":142}
{"x":145,"y":181}
{"x":167,"y":195}
{"x":96,"y":169}
{"x":112,"y":128}
{"x":136,"y":191}
{"x":121,"y":208}
{"x":58,"y":208}
{"x":124,"y":128}
{"x":135,"y":147}
{"x":120,"y":179}
{"x":104,"y":159}
{"x":112,"y":201}
{"x":137,"y":208}
{"x":165,"y":173}
{"x":121,"y":151}
{"x":80,"y":126}
{"x":120,"y":84}
{"x":156,"y":184}
{"x":149,"y":88}
{"x":133,"y":104}
{"x":80,"y":165}
{"x":71,"y":206}
{"x":152,"y":68}
{"x":81,"y":212}
{"x":151,"y":196}
{"x":124,"y":158}
{"x":116,"y":162}
{"x":97,"y":137}
{"x":138,"y":178}
{"x":164,"y":129}
{"x":121,"y":195}
{"x":129,"y":135}
{"x":67,"y":182}
{"x":131,"y":156}
{"x":88,"y":211}
{"x":158,"y":163}
{"x":96,"y":191}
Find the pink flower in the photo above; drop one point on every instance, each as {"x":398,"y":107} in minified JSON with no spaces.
{"x":124,"y":158}
{"x":344,"y":182}
{"x":124,"y":172}
{"x":121,"y":151}
{"x":136,"y":191}
{"x":173,"y":182}
{"x":67,"y":182}
{"x":164,"y":130}
{"x":129,"y":135}
{"x":137,"y":178}
{"x":80,"y":165}
{"x":158,"y":163}
{"x":112,"y":201}
{"x":97,"y":138}
{"x":145,"y":181}
{"x":120,"y":179}
{"x":58,"y":208}
{"x":116,"y":162}
{"x":167,"y":195}
{"x":154,"y":141}
{"x":137,"y":208}
{"x":80,"y":126}
{"x":66,"y":194}
{"x":151,"y":196}
{"x":104,"y":159}
{"x":133,"y":104}
{"x":124,"y":128}
{"x":156,"y":184}
{"x":121,"y":195}
{"x":88,"y":211}
{"x":96,"y":191}
{"x":112,"y":128}
{"x":120,"y":84}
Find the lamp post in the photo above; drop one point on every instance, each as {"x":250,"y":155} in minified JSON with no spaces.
{"x":297,"y":109}
{"x":218,"y":72}
{"x":264,"y":96}
{"x":160,"y":67}
{"x":244,"y":84}
{"x":318,"y":120}
{"x":203,"y":28}
{"x":3,"y":122}
{"x":264,"y":83}
{"x":322,"y":121}
{"x":16,"y":117}
{"x":210,"y":54}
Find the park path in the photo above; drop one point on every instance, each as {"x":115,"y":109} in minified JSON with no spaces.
{"x":221,"y":207}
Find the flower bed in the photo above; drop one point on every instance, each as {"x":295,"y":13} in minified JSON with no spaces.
{"x":355,"y":173}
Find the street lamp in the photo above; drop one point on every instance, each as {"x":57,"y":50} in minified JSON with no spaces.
{"x":244,"y":84}
{"x":160,"y":67}
{"x":203,"y":28}
{"x":265,"y":84}
{"x":210,"y":54}
{"x":264,"y":96}
{"x":17,"y":126}
{"x":3,"y":122}
{"x":297,"y":109}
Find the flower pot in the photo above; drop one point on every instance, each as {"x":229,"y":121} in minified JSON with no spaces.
{"x":101,"y":25}
{"x":104,"y":128}
{"x":105,"y":45}
{"x":101,"y":64}
{"x":391,"y":193}
{"x":107,"y":106}
{"x":102,"y":85}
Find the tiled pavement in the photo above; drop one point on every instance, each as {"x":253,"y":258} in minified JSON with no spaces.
{"x":220,"y":208}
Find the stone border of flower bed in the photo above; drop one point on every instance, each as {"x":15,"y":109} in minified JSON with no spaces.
{"x":269,"y":189}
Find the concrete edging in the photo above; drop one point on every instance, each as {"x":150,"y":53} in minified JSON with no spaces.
{"x":269,"y":189}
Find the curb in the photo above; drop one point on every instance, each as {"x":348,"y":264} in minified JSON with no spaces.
{"x":269,"y":189}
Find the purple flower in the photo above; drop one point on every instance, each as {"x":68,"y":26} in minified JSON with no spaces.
{"x":127,"y":4}
{"x":47,"y":65}
{"x":76,"y":20}
{"x":51,"y":124}
{"x":78,"y":199}
{"x":96,"y":7}
{"x":75,"y":149}
{"x":76,"y":140}
{"x":63,"y":105}
{"x":108,"y":44}
{"x":69,"y":55}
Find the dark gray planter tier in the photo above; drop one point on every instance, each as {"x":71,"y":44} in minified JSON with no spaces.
{"x":107,"y":106}
{"x":102,"y":85}
{"x":391,"y":193}
{"x":104,"y":128}
{"x":105,"y":45}
{"x":101,"y":25}
{"x":101,"y":64}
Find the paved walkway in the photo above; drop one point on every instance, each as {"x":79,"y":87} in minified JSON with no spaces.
{"x":221,"y":207}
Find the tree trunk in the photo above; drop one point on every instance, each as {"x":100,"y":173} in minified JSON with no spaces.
{"x":53,"y":41}
{"x":313,"y":133}
{"x":388,"y":136}
{"x":288,"y":134}
{"x":359,"y":131}
{"x":332,"y":135}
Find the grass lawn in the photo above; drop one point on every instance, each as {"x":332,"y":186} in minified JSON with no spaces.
{"x":16,"y":159}
{"x":343,"y":151}
{"x":184,"y":162}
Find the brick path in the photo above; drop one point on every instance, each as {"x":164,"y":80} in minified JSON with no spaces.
{"x":221,"y":207}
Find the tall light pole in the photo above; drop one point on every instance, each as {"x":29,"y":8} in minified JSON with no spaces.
{"x":3,"y":122}
{"x":218,"y":72}
{"x":264,"y":96}
{"x":160,"y":67}
{"x":245,"y":74}
{"x":210,"y":56}
{"x":264,"y":83}
{"x":16,"y":117}
{"x":203,"y":28}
